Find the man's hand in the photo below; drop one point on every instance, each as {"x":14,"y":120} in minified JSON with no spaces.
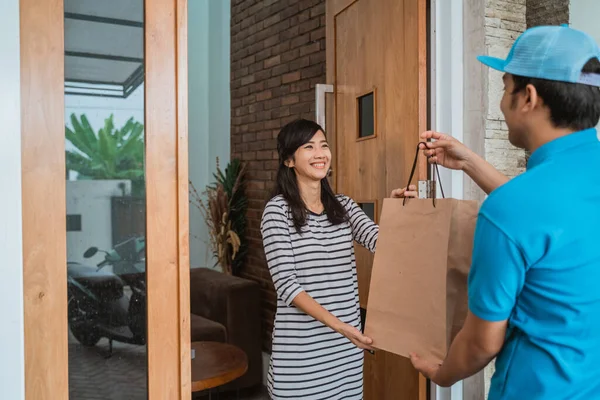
{"x":450,"y":153}
{"x":446,"y":151}
{"x":411,"y":191}
{"x":426,"y":368}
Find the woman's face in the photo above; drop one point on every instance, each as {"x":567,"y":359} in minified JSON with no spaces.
{"x":313,"y":159}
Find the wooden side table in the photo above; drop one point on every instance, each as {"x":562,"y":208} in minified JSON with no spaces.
{"x":216,"y":364}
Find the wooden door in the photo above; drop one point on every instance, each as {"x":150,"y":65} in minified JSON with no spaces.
{"x":164,"y":73}
{"x":376,"y":61}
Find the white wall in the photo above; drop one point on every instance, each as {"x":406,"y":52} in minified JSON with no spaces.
{"x":585,"y":15}
{"x":209,"y":106}
{"x":92,"y":200}
{"x":12,"y":373}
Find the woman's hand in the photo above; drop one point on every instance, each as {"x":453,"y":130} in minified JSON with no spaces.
{"x":401,"y":193}
{"x":446,"y":151}
{"x":355,"y":336}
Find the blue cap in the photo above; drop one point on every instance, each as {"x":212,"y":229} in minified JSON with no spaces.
{"x":556,"y":53}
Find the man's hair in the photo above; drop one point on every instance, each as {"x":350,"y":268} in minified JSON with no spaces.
{"x":572,"y":105}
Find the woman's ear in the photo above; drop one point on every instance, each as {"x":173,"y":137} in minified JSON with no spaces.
{"x":289,"y":163}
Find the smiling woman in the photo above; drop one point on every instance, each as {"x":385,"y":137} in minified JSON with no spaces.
{"x":308,"y":233}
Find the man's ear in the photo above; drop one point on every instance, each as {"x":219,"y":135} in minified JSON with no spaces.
{"x":532,"y":99}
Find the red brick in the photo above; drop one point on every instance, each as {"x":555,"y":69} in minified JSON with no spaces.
{"x":263,"y":95}
{"x":318,"y":58}
{"x":271,"y":41}
{"x":300,"y":63}
{"x":247,"y":80}
{"x":254,"y":146}
{"x":313,"y":71}
{"x":263,"y":54}
{"x":247,"y":61}
{"x":248,"y":99}
{"x":253,"y":185}
{"x":317,"y":34}
{"x":292,"y":99}
{"x":290,"y":55}
{"x":300,"y":86}
{"x":271,"y":62}
{"x":249,"y":137}
{"x":300,"y":108}
{"x":249,"y":155}
{"x":318,"y":10}
{"x":280,"y":69}
{"x":280,"y":47}
{"x":300,"y":40}
{"x":309,"y":25}
{"x":273,"y":82}
{"x":263,"y":155}
{"x":310,"y":48}
{"x":290,"y":33}
{"x":263,"y":135}
{"x":281,"y":91}
{"x":291,"y":77}
{"x":271,"y":20}
{"x":262,"y":75}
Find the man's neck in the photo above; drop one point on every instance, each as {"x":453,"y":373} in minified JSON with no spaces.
{"x":541,"y":136}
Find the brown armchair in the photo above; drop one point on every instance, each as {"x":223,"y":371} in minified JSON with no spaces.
{"x":226,"y":308}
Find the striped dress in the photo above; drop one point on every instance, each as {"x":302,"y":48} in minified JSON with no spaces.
{"x":309,"y":360}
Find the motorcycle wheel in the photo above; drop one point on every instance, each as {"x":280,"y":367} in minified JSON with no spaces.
{"x":137,"y":316}
{"x":81,"y":329}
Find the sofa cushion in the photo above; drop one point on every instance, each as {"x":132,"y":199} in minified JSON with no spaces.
{"x":204,"y":329}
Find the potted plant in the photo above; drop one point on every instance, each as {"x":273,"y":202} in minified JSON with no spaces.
{"x":224,"y":211}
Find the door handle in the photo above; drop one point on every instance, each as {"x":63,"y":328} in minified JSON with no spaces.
{"x":320,"y":90}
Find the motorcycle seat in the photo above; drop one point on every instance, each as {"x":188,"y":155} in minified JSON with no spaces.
{"x":102,"y":283}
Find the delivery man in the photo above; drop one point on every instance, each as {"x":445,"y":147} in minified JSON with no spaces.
{"x":534,"y":285}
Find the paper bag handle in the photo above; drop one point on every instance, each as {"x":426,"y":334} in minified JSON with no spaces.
{"x":412,"y":173}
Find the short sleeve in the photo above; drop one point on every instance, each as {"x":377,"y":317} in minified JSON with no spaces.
{"x":497,"y":272}
{"x":279,"y":253}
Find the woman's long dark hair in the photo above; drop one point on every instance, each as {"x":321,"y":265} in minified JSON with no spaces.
{"x":291,"y":137}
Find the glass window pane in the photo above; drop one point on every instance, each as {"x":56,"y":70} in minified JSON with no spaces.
{"x":106,"y":202}
{"x":369,"y":209}
{"x":366,"y":115}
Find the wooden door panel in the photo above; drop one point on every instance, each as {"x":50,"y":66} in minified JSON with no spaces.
{"x":379,"y":47}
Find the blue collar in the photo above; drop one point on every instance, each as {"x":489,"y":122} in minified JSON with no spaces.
{"x":576,"y":139}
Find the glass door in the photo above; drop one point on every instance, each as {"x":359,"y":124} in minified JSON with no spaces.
{"x":105,"y":199}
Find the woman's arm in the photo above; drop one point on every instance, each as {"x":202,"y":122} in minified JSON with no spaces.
{"x":280,"y":260}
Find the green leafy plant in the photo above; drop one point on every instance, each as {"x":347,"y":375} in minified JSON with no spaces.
{"x":109,"y":154}
{"x":224,"y":211}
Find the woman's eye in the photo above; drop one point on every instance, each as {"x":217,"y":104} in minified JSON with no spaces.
{"x":308,"y":147}
{"x":325,"y":145}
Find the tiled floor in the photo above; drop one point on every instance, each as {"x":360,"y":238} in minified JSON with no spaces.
{"x":120,"y":377}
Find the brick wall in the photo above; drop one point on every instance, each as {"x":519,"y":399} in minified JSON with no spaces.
{"x":547,"y":12}
{"x":277,"y":57}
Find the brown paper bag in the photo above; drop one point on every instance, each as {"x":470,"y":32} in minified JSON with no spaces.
{"x":418,"y":294}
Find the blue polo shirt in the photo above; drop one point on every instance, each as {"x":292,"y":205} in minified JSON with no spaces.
{"x":536,"y":263}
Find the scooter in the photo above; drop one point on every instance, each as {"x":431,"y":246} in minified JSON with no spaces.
{"x":109,"y":304}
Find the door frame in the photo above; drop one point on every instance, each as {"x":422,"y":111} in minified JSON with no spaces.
{"x":44,"y":204}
